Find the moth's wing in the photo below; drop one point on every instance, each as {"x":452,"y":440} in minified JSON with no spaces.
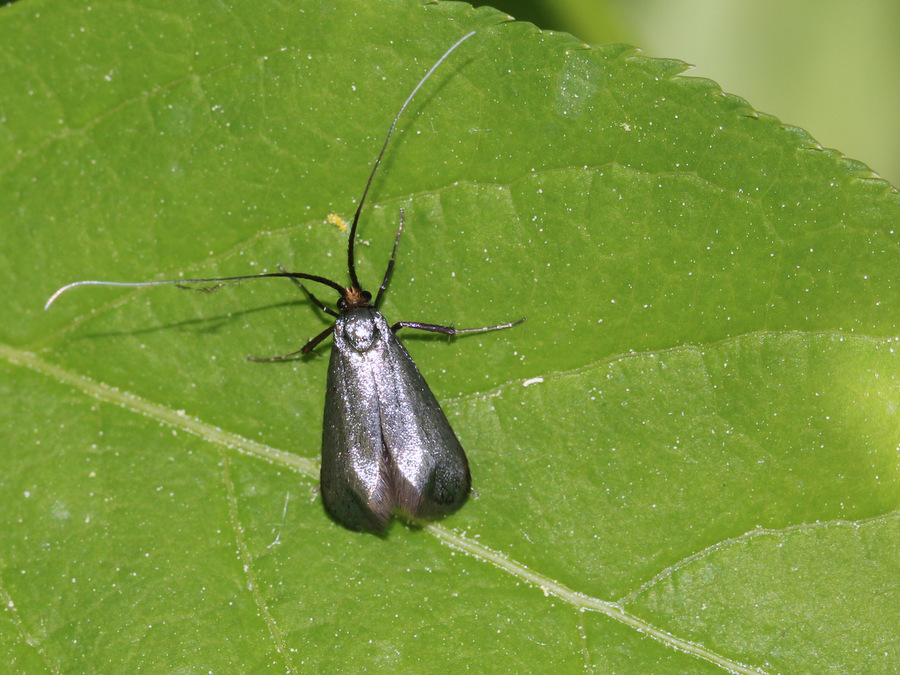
{"x":385,"y":440}
{"x":356,"y":480}
{"x":430,"y":472}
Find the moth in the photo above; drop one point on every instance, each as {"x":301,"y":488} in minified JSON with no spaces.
{"x":386,"y":442}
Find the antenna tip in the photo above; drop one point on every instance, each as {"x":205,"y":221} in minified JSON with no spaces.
{"x":53,"y":297}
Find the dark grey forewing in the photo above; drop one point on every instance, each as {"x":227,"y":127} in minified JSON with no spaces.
{"x":430,"y":473}
{"x":356,"y":481}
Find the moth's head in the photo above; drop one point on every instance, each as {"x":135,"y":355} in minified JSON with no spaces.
{"x":354,"y":298}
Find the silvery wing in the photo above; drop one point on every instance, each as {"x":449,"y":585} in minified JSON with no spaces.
{"x":386,"y":443}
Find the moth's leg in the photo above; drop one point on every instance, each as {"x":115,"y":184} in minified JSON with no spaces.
{"x":448,"y":330}
{"x":321,"y":305}
{"x":307,"y":348}
{"x":390,"y":267}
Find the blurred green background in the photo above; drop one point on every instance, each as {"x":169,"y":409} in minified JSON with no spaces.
{"x":831,"y":67}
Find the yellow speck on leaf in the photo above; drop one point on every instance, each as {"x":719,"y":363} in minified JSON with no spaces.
{"x":337,"y":221}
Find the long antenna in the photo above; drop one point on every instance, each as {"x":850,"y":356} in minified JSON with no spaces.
{"x":181,"y":282}
{"x":290,"y":275}
{"x":351,"y":262}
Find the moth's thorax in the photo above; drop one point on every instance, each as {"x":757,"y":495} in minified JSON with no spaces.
{"x":360,"y":328}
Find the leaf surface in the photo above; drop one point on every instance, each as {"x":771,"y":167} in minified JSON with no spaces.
{"x":686,"y":458}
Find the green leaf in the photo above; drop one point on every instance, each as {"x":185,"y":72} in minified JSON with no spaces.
{"x":686,"y":459}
